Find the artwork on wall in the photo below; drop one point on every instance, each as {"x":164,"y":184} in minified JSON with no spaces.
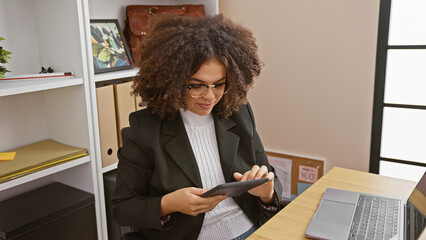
{"x":109,"y":50}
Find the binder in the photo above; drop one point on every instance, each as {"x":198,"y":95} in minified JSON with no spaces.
{"x":124,"y":105}
{"x":107,"y":124}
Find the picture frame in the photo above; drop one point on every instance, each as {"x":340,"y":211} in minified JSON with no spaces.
{"x":109,"y":48}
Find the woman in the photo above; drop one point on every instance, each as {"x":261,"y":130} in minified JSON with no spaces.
{"x":197,"y":131}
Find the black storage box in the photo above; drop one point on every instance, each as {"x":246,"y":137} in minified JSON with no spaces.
{"x":114,"y":230}
{"x":55,"y":211}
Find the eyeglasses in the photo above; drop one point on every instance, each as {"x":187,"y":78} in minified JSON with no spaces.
{"x":199,"y":90}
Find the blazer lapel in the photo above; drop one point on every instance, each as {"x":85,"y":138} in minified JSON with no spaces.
{"x":227,"y":143}
{"x":180,"y":149}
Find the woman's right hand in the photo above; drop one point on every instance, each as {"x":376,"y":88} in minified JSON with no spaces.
{"x":188,"y":201}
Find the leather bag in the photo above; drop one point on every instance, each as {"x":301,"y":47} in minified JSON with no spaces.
{"x":138,"y":17}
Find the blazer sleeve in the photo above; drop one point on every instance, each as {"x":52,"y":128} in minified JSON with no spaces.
{"x":131,"y":203}
{"x":261,"y":159}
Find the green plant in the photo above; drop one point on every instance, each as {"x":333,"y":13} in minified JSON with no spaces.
{"x":4,"y":56}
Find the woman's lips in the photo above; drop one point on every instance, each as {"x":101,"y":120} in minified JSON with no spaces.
{"x":206,"y":106}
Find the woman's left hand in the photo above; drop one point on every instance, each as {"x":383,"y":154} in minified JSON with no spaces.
{"x":265,"y":191}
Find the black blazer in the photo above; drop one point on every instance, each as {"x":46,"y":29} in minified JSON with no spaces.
{"x":157,"y":158}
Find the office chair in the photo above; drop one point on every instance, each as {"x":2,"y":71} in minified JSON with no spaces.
{"x":283,"y":204}
{"x":124,"y":134}
{"x":132,"y":236}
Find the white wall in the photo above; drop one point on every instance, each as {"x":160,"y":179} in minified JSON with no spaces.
{"x":315,"y":94}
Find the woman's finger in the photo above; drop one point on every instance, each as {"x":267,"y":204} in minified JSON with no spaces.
{"x":238,"y":176}
{"x":271,"y":176}
{"x":209,"y":203}
{"x":253,"y":172}
{"x":245,"y":175}
{"x":263,"y":171}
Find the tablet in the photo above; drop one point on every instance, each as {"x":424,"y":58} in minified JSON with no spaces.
{"x":234,"y":189}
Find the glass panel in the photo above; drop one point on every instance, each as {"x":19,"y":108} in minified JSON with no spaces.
{"x":403,"y":171}
{"x":406,"y":77}
{"x":404,"y":134}
{"x":407,"y":22}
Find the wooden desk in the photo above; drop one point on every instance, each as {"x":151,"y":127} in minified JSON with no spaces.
{"x":292,"y":221}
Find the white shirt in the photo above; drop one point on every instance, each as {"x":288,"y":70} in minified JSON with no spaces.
{"x":226,"y":220}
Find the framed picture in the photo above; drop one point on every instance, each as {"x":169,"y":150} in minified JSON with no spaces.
{"x":109,"y":49}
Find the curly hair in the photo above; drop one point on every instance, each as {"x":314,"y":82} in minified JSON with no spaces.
{"x":176,"y":49}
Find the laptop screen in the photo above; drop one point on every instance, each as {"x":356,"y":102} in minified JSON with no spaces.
{"x":416,"y":210}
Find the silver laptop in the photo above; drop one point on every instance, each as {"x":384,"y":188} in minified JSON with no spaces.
{"x":352,"y":215}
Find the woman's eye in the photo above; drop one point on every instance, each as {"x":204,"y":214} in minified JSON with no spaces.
{"x":219,"y":84}
{"x":196,"y":85}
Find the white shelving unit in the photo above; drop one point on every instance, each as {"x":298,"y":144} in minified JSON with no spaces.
{"x":48,"y":33}
{"x":115,"y":75}
{"x":14,"y":88}
{"x":44,"y":173}
{"x":109,"y":168}
{"x":56,"y":33}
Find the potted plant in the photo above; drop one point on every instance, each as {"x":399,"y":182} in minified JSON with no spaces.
{"x":4,"y":56}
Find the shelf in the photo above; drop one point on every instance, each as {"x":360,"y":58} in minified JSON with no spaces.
{"x":110,"y":167}
{"x":116,"y":75}
{"x":13,"y":88}
{"x":44,"y":173}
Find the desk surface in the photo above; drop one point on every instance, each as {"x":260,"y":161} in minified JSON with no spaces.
{"x":292,"y":221}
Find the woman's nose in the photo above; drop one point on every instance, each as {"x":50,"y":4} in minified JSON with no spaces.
{"x":210,"y":93}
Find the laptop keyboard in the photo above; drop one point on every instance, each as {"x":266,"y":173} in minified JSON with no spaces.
{"x":419,"y":223}
{"x":375,"y":218}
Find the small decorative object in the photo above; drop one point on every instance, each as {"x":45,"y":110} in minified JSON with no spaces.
{"x":48,"y":70}
{"x":110,"y":52}
{"x":4,"y":56}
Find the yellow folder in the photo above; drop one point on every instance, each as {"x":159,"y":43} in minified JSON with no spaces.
{"x":7,"y":156}
{"x":38,"y":156}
